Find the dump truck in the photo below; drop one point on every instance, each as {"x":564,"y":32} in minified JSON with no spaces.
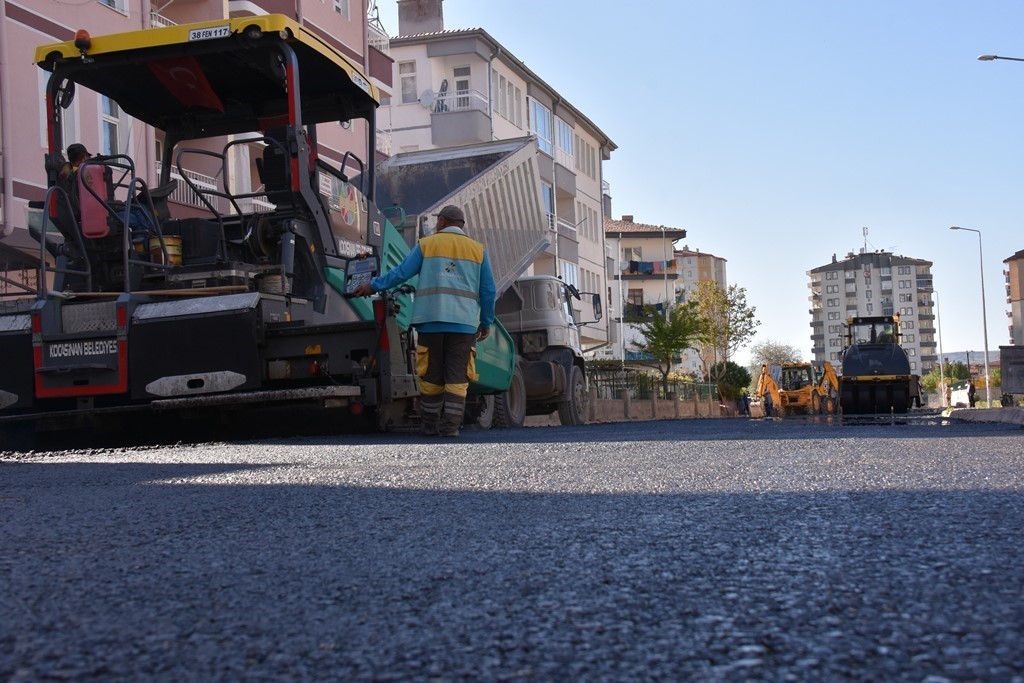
{"x":876,"y":375}
{"x":497,"y":184}
{"x":152,"y":318}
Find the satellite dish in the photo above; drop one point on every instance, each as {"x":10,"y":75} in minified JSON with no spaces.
{"x":427,"y":98}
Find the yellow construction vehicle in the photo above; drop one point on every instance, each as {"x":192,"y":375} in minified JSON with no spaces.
{"x":825,"y":397}
{"x":799,"y":389}
{"x":768,"y":390}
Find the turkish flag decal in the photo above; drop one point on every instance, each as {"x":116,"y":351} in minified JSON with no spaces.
{"x":184,"y":78}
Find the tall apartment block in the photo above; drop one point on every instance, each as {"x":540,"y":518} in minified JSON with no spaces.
{"x":873,"y":283}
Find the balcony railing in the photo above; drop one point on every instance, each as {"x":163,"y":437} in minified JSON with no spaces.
{"x":157,"y":20}
{"x":183,"y":194}
{"x":459,"y":100}
{"x":377,"y":39}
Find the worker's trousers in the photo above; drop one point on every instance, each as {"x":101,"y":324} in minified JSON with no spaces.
{"x":443,"y":365}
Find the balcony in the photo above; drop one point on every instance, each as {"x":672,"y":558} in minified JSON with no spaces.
{"x":157,"y":20}
{"x":185,"y":195}
{"x":460,"y":117}
{"x":378,"y":39}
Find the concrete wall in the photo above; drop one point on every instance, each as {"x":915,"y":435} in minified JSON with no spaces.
{"x":632,"y":410}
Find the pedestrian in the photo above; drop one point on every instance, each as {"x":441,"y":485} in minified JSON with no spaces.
{"x":452,"y":310}
{"x":971,"y":392}
{"x":949,"y":395}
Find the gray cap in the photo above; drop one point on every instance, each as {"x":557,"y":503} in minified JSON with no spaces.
{"x":452,"y":213}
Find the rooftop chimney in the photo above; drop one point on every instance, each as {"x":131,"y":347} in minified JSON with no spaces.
{"x":419,"y":16}
{"x":627,"y":219}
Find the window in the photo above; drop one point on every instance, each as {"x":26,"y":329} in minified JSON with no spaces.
{"x":910,"y":338}
{"x":407,"y":75}
{"x":904,"y":284}
{"x":832,"y":289}
{"x":871,"y":308}
{"x":461,"y":78}
{"x":110,"y":124}
{"x":635,"y":297}
{"x":564,"y":132}
{"x":540,"y":125}
{"x":835,"y":342}
{"x":867,"y":294}
{"x":570,"y":273}
{"x":502,"y":99}
{"x":120,"y":5}
{"x":341,"y":7}
{"x":833,"y":315}
{"x":832,"y":303}
{"x":518,"y":108}
{"x":832,"y":275}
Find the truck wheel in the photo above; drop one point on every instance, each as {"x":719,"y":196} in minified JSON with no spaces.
{"x":574,"y":410}
{"x":485,"y":412}
{"x":510,"y":406}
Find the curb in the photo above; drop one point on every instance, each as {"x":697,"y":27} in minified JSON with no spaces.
{"x":1004,"y":415}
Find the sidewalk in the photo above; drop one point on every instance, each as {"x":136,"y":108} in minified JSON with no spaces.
{"x":1007,"y":415}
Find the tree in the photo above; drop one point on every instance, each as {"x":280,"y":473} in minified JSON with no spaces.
{"x":665,"y":337}
{"x":951,"y":372}
{"x":771,"y":352}
{"x":727,"y":323}
{"x":732,"y":379}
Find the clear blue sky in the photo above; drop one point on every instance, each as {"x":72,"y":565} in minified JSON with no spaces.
{"x":774,"y":131}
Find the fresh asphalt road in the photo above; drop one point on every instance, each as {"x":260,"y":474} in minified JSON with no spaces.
{"x":675,"y":550}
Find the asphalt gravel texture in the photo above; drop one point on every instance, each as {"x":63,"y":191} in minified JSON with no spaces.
{"x":707,"y":550}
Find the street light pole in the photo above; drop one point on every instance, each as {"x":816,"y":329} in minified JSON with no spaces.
{"x":942,"y":372}
{"x":984,"y":318}
{"x":989,"y":58}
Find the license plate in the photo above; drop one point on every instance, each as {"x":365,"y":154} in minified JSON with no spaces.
{"x":209,"y":32}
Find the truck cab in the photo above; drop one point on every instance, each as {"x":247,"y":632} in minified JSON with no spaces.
{"x":537,"y":311}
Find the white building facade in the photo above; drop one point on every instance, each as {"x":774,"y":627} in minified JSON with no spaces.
{"x":459,"y":87}
{"x":651,"y":271}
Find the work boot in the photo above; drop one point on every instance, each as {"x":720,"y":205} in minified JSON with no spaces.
{"x":430,"y":412}
{"x":451,"y":416}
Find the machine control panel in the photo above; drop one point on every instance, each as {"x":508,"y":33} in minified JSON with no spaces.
{"x":359,"y":271}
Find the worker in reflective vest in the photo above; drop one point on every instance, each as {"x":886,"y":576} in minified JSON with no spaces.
{"x":454,"y":307}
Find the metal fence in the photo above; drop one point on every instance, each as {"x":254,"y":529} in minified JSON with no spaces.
{"x":640,"y":384}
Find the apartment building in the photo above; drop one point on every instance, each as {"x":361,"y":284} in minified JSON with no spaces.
{"x":458,"y":87}
{"x":650,"y":271}
{"x":95,"y":121}
{"x":1014,"y":274}
{"x":873,"y":283}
